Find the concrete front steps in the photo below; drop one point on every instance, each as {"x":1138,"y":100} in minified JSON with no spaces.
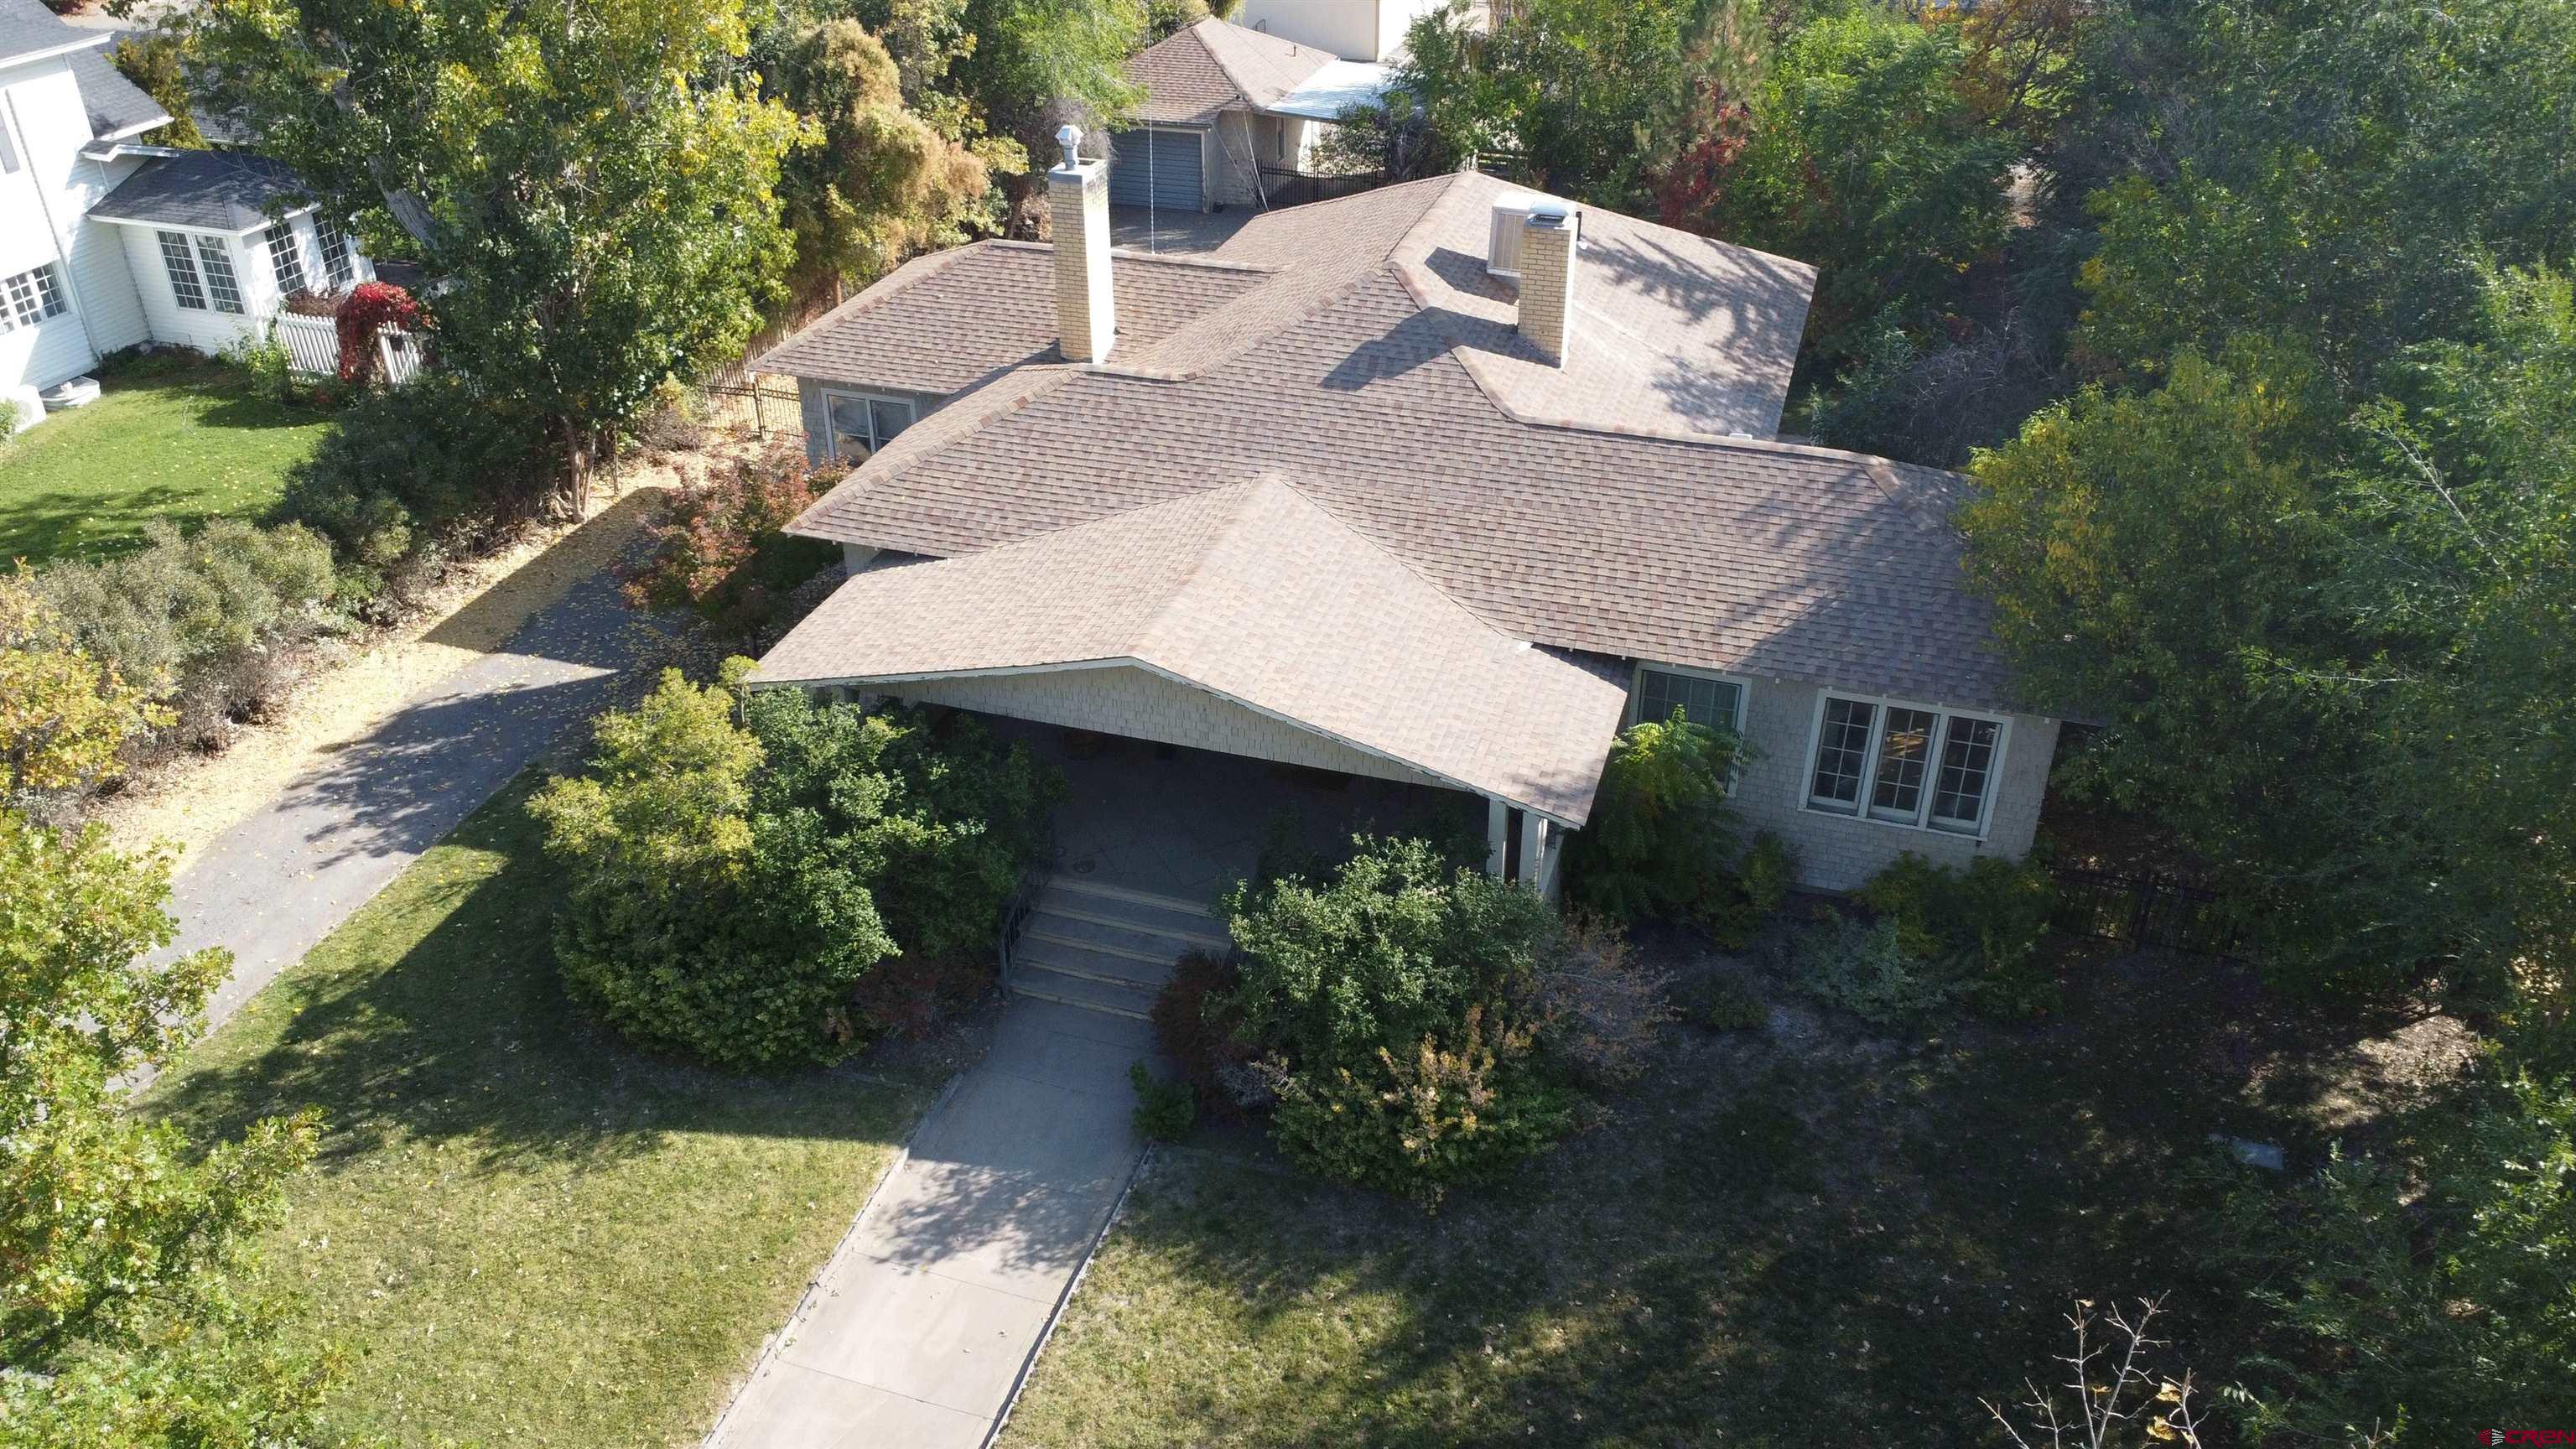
{"x":1105,"y":947}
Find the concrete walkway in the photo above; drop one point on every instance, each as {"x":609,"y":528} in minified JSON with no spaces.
{"x":922,"y":1323}
{"x":270,"y":888}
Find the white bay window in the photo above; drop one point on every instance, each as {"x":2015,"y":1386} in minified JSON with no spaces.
{"x":1903,"y":764}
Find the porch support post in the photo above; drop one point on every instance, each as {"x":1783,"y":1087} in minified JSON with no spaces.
{"x":1534,"y":849}
{"x":1498,"y":827}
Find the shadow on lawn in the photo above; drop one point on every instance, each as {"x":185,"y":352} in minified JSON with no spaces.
{"x":1763,"y":1240}
{"x":436,"y":1013}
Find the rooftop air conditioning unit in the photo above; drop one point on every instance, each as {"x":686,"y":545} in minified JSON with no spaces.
{"x":1503,"y":248}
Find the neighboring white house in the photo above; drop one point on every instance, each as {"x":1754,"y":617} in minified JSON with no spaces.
{"x":105,"y":243}
{"x":1356,"y":30}
{"x":1444,"y":482}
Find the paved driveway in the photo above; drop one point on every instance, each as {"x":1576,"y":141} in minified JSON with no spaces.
{"x":923,"y":1322}
{"x":273,"y":886}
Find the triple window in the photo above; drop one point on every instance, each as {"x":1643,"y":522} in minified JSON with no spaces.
{"x":286,"y":257}
{"x":1905,"y":764}
{"x":30,"y":297}
{"x":861,"y":424}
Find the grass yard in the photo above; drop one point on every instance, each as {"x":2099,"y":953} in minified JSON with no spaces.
{"x":525,"y":1233}
{"x":165,"y":440}
{"x":1779,"y":1236}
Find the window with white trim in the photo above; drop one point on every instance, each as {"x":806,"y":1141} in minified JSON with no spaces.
{"x":221,"y":286}
{"x":860,"y":423}
{"x":30,"y":297}
{"x":1703,"y":698}
{"x":181,"y":264}
{"x":286,"y":257}
{"x":335,"y":253}
{"x":1902,"y":764}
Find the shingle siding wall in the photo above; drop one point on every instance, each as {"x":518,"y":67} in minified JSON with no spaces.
{"x":1838,"y":852}
{"x":1146,"y":706}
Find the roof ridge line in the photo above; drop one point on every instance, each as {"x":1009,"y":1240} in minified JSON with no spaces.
{"x":876,"y":293}
{"x":1057,"y":374}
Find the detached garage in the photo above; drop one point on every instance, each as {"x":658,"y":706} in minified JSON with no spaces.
{"x":1160,"y":166}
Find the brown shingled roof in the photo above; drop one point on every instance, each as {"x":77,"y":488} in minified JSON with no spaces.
{"x":1255,"y":593}
{"x":1598,"y":507}
{"x":1202,"y":70}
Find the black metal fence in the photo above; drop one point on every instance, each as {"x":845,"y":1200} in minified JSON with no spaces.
{"x":754,"y":405}
{"x":2145,"y":910}
{"x":1285,"y":187}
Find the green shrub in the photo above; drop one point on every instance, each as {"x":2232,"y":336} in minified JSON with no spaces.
{"x":1198,"y":1033}
{"x":1661,"y":833}
{"x":411,"y":472}
{"x":270,"y":366}
{"x":1393,"y":948}
{"x":941,"y":821}
{"x":8,"y":420}
{"x":1986,"y":926}
{"x":1165,"y":1111}
{"x":738,"y":890}
{"x":1453,"y":1109}
{"x":1864,"y":968}
{"x":215,"y":616}
{"x":1768,"y":870}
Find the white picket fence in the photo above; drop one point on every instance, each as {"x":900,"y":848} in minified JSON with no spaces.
{"x":313,"y":347}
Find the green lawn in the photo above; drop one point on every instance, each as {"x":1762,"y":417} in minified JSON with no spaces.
{"x":526,"y":1234}
{"x":179,"y":442}
{"x":1770,"y":1242}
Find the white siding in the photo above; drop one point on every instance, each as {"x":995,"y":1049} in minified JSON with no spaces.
{"x":1838,"y":852}
{"x":1351,"y":29}
{"x":1139,"y":704}
{"x":206,"y":330}
{"x":41,"y":205}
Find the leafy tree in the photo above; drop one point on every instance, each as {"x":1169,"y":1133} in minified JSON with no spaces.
{"x":1662,"y":834}
{"x":63,"y":713}
{"x":2317,"y":169}
{"x":880,"y":182}
{"x":118,"y":1234}
{"x":2331,"y":652}
{"x":600,"y":211}
{"x":1037,"y":63}
{"x":1864,"y":157}
{"x":152,"y":63}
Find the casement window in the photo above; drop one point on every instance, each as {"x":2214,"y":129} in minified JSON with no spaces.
{"x":221,"y":287}
{"x":1703,"y":698}
{"x":30,"y":297}
{"x":181,"y":264}
{"x":862,"y":423}
{"x":335,"y":254}
{"x":286,"y":257}
{"x":1902,"y":764}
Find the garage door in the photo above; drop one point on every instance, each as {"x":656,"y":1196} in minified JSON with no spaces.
{"x":1158,"y":165}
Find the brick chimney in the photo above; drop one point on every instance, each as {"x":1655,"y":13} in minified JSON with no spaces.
{"x":1548,"y":240}
{"x":1086,"y":320}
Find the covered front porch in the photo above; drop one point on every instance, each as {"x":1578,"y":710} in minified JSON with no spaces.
{"x":1167,"y":820}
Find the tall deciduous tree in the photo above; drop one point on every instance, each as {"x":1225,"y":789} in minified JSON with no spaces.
{"x":599,"y":213}
{"x":118,"y":1235}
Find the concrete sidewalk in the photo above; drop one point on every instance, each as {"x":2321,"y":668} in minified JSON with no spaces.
{"x":270,"y":888}
{"x":919,"y":1328}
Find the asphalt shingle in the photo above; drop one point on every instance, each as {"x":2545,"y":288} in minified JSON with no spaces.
{"x":218,"y":190}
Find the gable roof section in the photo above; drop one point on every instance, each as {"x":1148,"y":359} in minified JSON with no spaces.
{"x":229,"y":191}
{"x":1200,"y":71}
{"x":29,"y":31}
{"x":117,"y":107}
{"x":1255,"y":593}
{"x":1599,"y":507}
{"x":940,"y":323}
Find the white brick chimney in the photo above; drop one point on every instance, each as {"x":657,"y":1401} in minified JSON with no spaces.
{"x":1548,"y":241}
{"x":1086,"y":319}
